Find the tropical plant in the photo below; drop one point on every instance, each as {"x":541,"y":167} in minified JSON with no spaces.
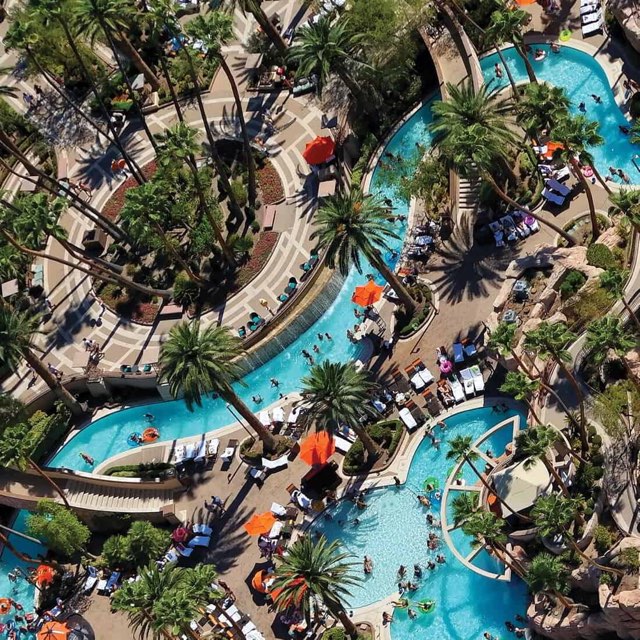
{"x":142,"y":544}
{"x":550,"y":341}
{"x":547,"y":574}
{"x":614,"y":281}
{"x":316,"y":568}
{"x":17,"y":331}
{"x":535,"y":443}
{"x":353,"y":225}
{"x":627,"y":202}
{"x":554,"y":514}
{"x":460,"y":449}
{"x":503,"y":341}
{"x":16,"y":450}
{"x":254,"y":7}
{"x":337,"y":393}
{"x":617,"y":409}
{"x":540,"y":107}
{"x":196,"y":363}
{"x":463,"y":506}
{"x":59,"y":528}
{"x":608,"y":334}
{"x":521,"y":387}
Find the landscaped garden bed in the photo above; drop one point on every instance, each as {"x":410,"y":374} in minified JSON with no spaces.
{"x":269,"y":183}
{"x":407,"y":325}
{"x":260,"y":255}
{"x":114,"y":204}
{"x":129,"y":304}
{"x":387,"y":434}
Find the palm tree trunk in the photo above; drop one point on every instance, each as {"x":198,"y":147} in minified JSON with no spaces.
{"x":171,"y":87}
{"x":338,"y":612}
{"x":584,"y":440}
{"x":176,"y":254}
{"x":130,"y":51}
{"x":520,"y":364}
{"x":595,"y":229}
{"x":598,"y":175}
{"x":560,"y":401}
{"x":53,"y":383}
{"x":18,"y":554}
{"x":50,"y":480}
{"x":590,"y":561}
{"x":563,"y":600}
{"x":400,"y":290}
{"x":267,"y":438}
{"x":372,"y":447}
{"x":512,"y":82}
{"x":251,"y":165}
{"x":133,"y":167}
{"x":630,"y":311}
{"x":515,"y":565}
{"x":527,"y":63}
{"x":556,"y":476}
{"x":511,"y":174}
{"x":503,"y":196}
{"x":534,"y":414}
{"x":272,"y":33}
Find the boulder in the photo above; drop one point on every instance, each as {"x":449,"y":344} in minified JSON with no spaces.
{"x":611,"y":238}
{"x":586,"y":578}
{"x":632,"y":359}
{"x":547,"y":298}
{"x":503,"y":296}
{"x":538,"y":311}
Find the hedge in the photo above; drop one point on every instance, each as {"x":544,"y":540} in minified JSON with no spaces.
{"x":142,"y":470}
{"x":599,"y":255}
{"x":386,"y":433}
{"x":47,"y":430}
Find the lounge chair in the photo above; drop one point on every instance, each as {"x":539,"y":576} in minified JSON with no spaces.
{"x":102,"y":586}
{"x":342,"y":444}
{"x":521,"y":230}
{"x":562,"y":174}
{"x":278,"y":415}
{"x":199,"y":541}
{"x":202,"y":529}
{"x":417,"y":382}
{"x":212,"y":448}
{"x":434,"y":407}
{"x":112,"y":582}
{"x":469,"y":348}
{"x":276,"y":529}
{"x":310,"y":263}
{"x":589,"y":7}
{"x":478,"y":379}
{"x":92,"y":579}
{"x":242,"y":332}
{"x":294,"y":415}
{"x":592,"y":18}
{"x":407,"y":419}
{"x":592,"y":27}
{"x":227,"y":454}
{"x":258,"y":474}
{"x":184,"y":551}
{"x":552,"y":183}
{"x":467,"y":382}
{"x":292,"y":286}
{"x":171,"y":556}
{"x":264,"y":418}
{"x":456,"y":389}
{"x":552,"y":197}
{"x":458,"y":352}
{"x":274,"y":465}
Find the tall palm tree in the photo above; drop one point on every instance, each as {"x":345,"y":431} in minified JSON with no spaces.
{"x":549,"y":341}
{"x":554,"y":514}
{"x":547,"y":574}
{"x":113,"y":18}
{"x":576,"y":133}
{"x":540,"y":107}
{"x":354,"y":225}
{"x":17,"y":331}
{"x":534,"y":444}
{"x":614,"y":281}
{"x":463,"y":506}
{"x":196,"y":362}
{"x":627,"y":202}
{"x":507,"y":25}
{"x":521,"y":387}
{"x":215,"y":30}
{"x":16,"y":449}
{"x":316,"y":568}
{"x":605,"y":334}
{"x":254,"y":7}
{"x":327,"y":47}
{"x":486,"y":528}
{"x":337,"y":393}
{"x":460,"y":449}
{"x":503,"y":341}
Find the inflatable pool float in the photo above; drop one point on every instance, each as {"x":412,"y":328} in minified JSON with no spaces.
{"x":426,"y":606}
{"x":565,"y":35}
{"x":433,"y":481}
{"x":150,"y":435}
{"x":5,"y":606}
{"x":134,"y":439}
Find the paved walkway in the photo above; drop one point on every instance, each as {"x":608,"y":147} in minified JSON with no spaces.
{"x":77,"y":313}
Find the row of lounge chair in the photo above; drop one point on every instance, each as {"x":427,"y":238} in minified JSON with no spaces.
{"x":592,"y":17}
{"x":555,"y":192}
{"x":514,"y":227}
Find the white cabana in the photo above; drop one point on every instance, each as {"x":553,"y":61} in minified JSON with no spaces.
{"x":520,"y":487}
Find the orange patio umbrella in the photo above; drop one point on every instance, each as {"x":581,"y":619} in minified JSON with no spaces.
{"x":257,"y":582}
{"x":367,"y":294}
{"x":317,"y":448}
{"x":260,"y":523}
{"x":54,"y":631}
{"x":319,"y":150}
{"x":44,"y":574}
{"x":523,"y":3}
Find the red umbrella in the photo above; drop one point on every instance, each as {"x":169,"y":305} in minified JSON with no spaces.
{"x":368,"y":294}
{"x":319,"y":150}
{"x":317,"y":448}
{"x":180,"y":534}
{"x":44,"y":574}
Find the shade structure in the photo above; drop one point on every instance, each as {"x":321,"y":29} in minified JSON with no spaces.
{"x":260,"y":523}
{"x":523,"y":3}
{"x":54,"y":630}
{"x":317,"y":448}
{"x":367,"y":294}
{"x":44,"y":574}
{"x":319,"y":150}
{"x":258,"y":581}
{"x":520,"y":486}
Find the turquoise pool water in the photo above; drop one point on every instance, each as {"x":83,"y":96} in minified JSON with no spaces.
{"x":580,"y":75}
{"x":393,"y":532}
{"x":108,"y":436}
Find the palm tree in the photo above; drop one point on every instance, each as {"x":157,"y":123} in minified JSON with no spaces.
{"x":486,"y":528}
{"x":463,"y":506}
{"x":113,"y":18}
{"x":627,"y":202}
{"x":16,"y":448}
{"x":337,"y":393}
{"x":254,"y":7}
{"x":614,"y":281}
{"x":503,"y":341}
{"x":534,"y":444}
{"x":327,"y":47}
{"x":549,"y":341}
{"x":460,"y":449}
{"x":7,"y":91}
{"x":576,"y":133}
{"x":521,"y":387}
{"x":354,"y":225}
{"x":316,"y":568}
{"x":540,"y":107}
{"x":605,"y":334}
{"x":196,"y":362}
{"x":17,"y":330}
{"x":546,"y":573}
{"x":554,"y":514}
{"x":507,"y":25}
{"x":215,"y":30}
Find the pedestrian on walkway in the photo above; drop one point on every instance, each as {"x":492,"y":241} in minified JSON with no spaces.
{"x":29,"y":100}
{"x":118,"y":167}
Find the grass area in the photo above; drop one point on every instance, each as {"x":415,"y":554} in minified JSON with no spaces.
{"x":386,"y":433}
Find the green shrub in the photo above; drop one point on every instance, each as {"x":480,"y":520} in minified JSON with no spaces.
{"x":387,"y":433}
{"x":239,"y":191}
{"x":630,"y":559}
{"x":602,"y":538}
{"x":142,"y":544}
{"x":573,"y":282}
{"x":255,"y":226}
{"x":47,"y":429}
{"x":143,"y":470}
{"x":337,"y":633}
{"x":590,"y":303}
{"x":354,"y":460}
{"x":185,"y":291}
{"x":599,"y":255}
{"x":596,"y":440}
{"x":597,"y":459}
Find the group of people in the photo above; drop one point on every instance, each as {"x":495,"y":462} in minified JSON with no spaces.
{"x":316,"y":349}
{"x":617,"y":173}
{"x":94,"y":349}
{"x":215,"y":507}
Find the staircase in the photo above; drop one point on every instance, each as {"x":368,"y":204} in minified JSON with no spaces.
{"x":90,"y":497}
{"x":468,"y":194}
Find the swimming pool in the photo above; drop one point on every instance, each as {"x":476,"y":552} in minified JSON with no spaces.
{"x":392,"y":530}
{"x":581,"y":76}
{"x":108,"y":436}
